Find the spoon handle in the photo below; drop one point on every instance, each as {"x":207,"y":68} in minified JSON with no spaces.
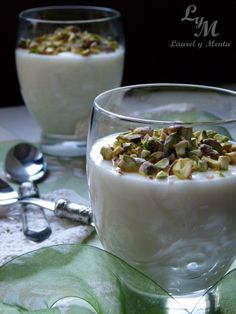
{"x":63,"y":209}
{"x":72,"y":211}
{"x":36,"y":230}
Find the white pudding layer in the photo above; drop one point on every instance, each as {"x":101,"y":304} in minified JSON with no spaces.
{"x":181,"y":233}
{"x":59,"y":89}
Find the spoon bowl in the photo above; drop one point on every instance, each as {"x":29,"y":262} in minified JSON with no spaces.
{"x":8,"y":196}
{"x":24,"y":162}
{"x":7,"y":192}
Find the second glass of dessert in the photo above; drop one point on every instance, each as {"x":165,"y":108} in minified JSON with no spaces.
{"x":65,"y":57}
{"x":162,"y":177}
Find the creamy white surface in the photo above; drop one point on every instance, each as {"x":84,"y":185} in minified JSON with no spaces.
{"x":180,"y":232}
{"x":59,"y":90}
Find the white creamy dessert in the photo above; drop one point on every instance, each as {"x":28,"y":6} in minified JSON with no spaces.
{"x":180,"y":232}
{"x":59,"y":88}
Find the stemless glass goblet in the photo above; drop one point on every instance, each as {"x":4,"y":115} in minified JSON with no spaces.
{"x":174,"y":220}
{"x":65,"y":56}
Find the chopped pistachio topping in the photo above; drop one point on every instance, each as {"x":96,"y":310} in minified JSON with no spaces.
{"x":162,"y":175}
{"x":202,"y":165}
{"x":182,"y":168}
{"x":163,"y":163}
{"x":107,"y":152}
{"x":232,"y":157}
{"x":148,"y":169}
{"x":69,"y":39}
{"x":176,"y":150}
{"x":127,"y":164}
{"x":224,"y":162}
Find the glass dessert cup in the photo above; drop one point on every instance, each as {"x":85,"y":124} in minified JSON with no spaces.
{"x":65,"y":57}
{"x":176,"y":225}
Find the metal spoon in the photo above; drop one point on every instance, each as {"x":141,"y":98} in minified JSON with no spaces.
{"x":62,"y":208}
{"x":25,"y":163}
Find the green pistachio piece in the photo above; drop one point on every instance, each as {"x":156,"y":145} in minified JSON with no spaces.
{"x":181,"y":148}
{"x":122,"y":138}
{"x":143,"y":130}
{"x":146,"y":137}
{"x":85,"y":52}
{"x":161,"y":175}
{"x":186,"y":133}
{"x":202,"y":136}
{"x":155,"y":157}
{"x":193,"y":143}
{"x":162,"y":136}
{"x":196,"y":134}
{"x":116,"y":143}
{"x":106,"y":152}
{"x":138,"y":151}
{"x":210,"y":133}
{"x":182,"y":168}
{"x":132,"y":137}
{"x":202,"y":165}
{"x":221,"y":138}
{"x":127,"y":146}
{"x":195,"y":153}
{"x":152,"y":144}
{"x":156,"y":133}
{"x":212,"y":163}
{"x":148,"y":169}
{"x":117,"y":151}
{"x":232,"y":157}
{"x":139,"y":161}
{"x":145,"y":153}
{"x":220,"y":173}
{"x":169,"y":143}
{"x":195,"y":164}
{"x":163,"y":163}
{"x":227,"y":146}
{"x":129,"y":137}
{"x":127,"y":164}
{"x":224,"y":162}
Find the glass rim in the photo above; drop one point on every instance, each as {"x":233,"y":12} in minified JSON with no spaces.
{"x":114,"y":14}
{"x":160,"y":122}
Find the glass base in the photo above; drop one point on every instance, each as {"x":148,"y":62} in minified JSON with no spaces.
{"x":65,"y":146}
{"x":194,"y":303}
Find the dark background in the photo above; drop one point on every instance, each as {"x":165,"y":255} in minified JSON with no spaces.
{"x":149,"y":27}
